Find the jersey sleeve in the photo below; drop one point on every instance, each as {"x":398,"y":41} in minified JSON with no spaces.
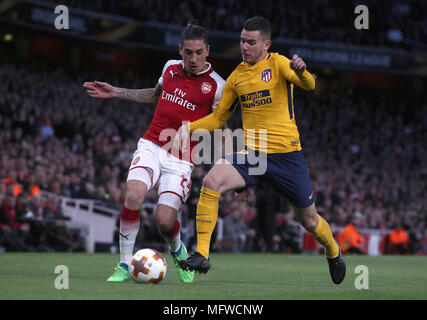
{"x":305,"y":81}
{"x":221,"y":113}
{"x":219,"y":90}
{"x":166,"y":66}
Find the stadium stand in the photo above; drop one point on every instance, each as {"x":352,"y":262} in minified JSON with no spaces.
{"x":365,"y":147}
{"x":373,"y":167}
{"x":396,"y":23}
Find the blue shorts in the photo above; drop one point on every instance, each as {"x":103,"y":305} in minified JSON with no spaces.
{"x":286,"y":171}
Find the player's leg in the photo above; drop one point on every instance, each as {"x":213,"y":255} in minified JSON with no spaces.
{"x":129,"y":227}
{"x":174,"y":189}
{"x":318,"y":226}
{"x":315,"y":224}
{"x":290,"y":174}
{"x":130,"y":218}
{"x":170,"y":229}
{"x":222,"y":177}
{"x":167,"y":223}
{"x":142,"y":175}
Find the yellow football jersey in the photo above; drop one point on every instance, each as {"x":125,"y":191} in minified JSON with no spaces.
{"x":265,"y":93}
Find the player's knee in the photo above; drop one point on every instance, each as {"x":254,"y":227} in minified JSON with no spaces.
{"x":211,"y":182}
{"x":165,"y":217}
{"x":307,"y":217}
{"x":309,"y":223}
{"x":164,"y":227}
{"x":134,"y":198}
{"x":164,"y":223}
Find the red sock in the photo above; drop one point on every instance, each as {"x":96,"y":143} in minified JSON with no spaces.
{"x":173,"y":236}
{"x":129,"y":227}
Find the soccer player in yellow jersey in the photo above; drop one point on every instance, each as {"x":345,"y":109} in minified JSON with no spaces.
{"x":263,"y":84}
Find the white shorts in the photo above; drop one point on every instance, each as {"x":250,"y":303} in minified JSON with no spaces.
{"x":173,"y":174}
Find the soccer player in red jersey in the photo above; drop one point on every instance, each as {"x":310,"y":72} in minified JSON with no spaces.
{"x":187,"y":90}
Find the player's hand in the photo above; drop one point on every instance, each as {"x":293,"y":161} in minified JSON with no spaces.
{"x":297,"y":64}
{"x":181,"y":140}
{"x":243,"y":195}
{"x":101,"y":90}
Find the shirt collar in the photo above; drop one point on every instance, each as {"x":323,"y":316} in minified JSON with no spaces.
{"x":201,"y":72}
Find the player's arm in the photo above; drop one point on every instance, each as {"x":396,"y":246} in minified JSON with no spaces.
{"x":145,"y":96}
{"x":227,"y":141}
{"x":214,"y":120}
{"x":219,"y":117}
{"x":104,"y":90}
{"x":223,"y":142}
{"x":295,"y":71}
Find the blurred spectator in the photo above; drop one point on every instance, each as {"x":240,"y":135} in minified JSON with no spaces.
{"x":236,"y":233}
{"x":23,"y":206}
{"x":36,"y":206}
{"x":289,"y":232}
{"x":416,"y":240}
{"x":30,"y":186}
{"x":9,"y":187}
{"x":100,"y":193}
{"x":55,"y":187}
{"x":350,"y":239}
{"x":268,"y":203}
{"x":12,"y":233}
{"x":398,"y":239}
{"x":47,"y":130}
{"x":52,"y":209}
{"x":11,"y":183}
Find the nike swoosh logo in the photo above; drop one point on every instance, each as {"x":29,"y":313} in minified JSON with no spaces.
{"x":311,"y":196}
{"x":236,"y":84}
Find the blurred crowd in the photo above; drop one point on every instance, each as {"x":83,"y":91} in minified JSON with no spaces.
{"x":56,"y":139}
{"x":365,"y":151}
{"x":392,"y":23}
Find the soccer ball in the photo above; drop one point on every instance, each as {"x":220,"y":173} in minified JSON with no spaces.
{"x":147,"y":266}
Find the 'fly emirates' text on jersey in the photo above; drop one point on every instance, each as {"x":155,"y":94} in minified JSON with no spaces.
{"x":183,"y":97}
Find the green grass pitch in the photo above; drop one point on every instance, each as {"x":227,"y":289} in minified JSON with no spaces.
{"x":31,"y":276}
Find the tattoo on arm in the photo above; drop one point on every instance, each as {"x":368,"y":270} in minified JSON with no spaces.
{"x":148,"y":96}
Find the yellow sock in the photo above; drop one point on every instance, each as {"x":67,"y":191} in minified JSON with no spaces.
{"x":323,"y":234}
{"x":206,"y":216}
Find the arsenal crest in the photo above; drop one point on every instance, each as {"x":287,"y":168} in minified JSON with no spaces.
{"x":266,"y":75}
{"x":206,"y":87}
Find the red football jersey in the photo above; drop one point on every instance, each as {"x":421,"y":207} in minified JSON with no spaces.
{"x":183,"y":98}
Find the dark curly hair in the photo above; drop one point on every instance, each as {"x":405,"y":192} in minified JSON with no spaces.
{"x":193,"y":31}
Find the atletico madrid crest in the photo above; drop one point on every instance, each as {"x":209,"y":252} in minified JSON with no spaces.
{"x":266,"y":75}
